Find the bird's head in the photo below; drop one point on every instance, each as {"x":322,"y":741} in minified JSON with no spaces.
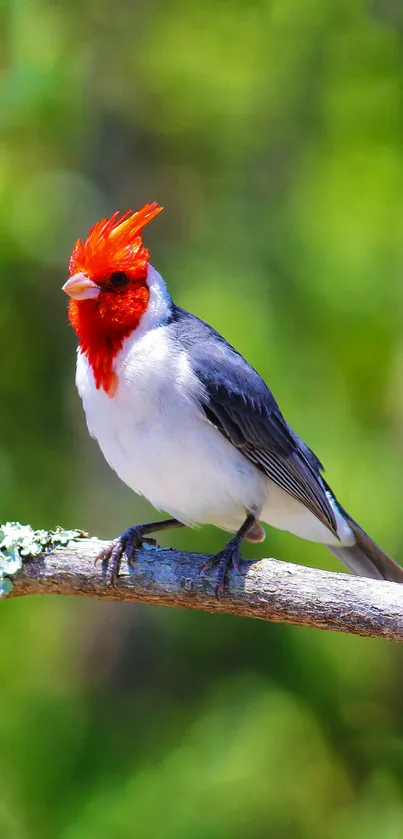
{"x":108,"y":288}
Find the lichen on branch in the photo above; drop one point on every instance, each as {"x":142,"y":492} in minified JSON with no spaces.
{"x":20,"y":541}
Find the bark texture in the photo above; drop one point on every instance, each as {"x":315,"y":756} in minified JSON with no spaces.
{"x":269,"y":590}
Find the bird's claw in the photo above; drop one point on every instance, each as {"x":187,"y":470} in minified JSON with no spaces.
{"x":229,"y":557}
{"x":124,"y":547}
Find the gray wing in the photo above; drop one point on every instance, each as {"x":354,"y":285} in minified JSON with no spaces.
{"x":240,"y":405}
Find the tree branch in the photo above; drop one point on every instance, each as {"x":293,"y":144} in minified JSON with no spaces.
{"x":270,"y":590}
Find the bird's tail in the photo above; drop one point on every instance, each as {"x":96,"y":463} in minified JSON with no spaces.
{"x":365,"y":558}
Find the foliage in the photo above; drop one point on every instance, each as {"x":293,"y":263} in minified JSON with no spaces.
{"x":270,"y":130}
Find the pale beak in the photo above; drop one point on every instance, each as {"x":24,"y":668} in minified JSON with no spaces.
{"x":80,"y":287}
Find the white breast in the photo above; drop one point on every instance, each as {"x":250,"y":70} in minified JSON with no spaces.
{"x":153,"y":434}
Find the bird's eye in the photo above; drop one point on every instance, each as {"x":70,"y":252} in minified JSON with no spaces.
{"x":118,"y":279}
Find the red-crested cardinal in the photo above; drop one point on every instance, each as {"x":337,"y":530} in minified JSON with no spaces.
{"x":185,"y":421}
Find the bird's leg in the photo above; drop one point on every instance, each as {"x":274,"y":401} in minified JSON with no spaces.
{"x":126,"y":545}
{"x":229,"y":556}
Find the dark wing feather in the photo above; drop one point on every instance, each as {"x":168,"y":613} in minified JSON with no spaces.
{"x":240,"y":405}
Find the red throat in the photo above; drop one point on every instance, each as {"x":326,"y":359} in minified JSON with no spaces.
{"x":102,"y":326}
{"x":113,"y":246}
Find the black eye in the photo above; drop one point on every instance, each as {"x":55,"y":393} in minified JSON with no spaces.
{"x":118,"y":279}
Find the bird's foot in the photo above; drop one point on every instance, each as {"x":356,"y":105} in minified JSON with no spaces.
{"x":127,"y":545}
{"x":124,"y":547}
{"x":229,"y":557}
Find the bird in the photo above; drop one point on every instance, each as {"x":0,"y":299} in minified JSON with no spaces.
{"x":185,"y":421}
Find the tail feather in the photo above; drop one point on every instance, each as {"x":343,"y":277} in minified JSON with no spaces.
{"x":366,"y":558}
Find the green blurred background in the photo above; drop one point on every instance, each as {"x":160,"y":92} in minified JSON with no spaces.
{"x":271,"y":132}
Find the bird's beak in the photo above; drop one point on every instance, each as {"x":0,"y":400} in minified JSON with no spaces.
{"x":80,"y":287}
